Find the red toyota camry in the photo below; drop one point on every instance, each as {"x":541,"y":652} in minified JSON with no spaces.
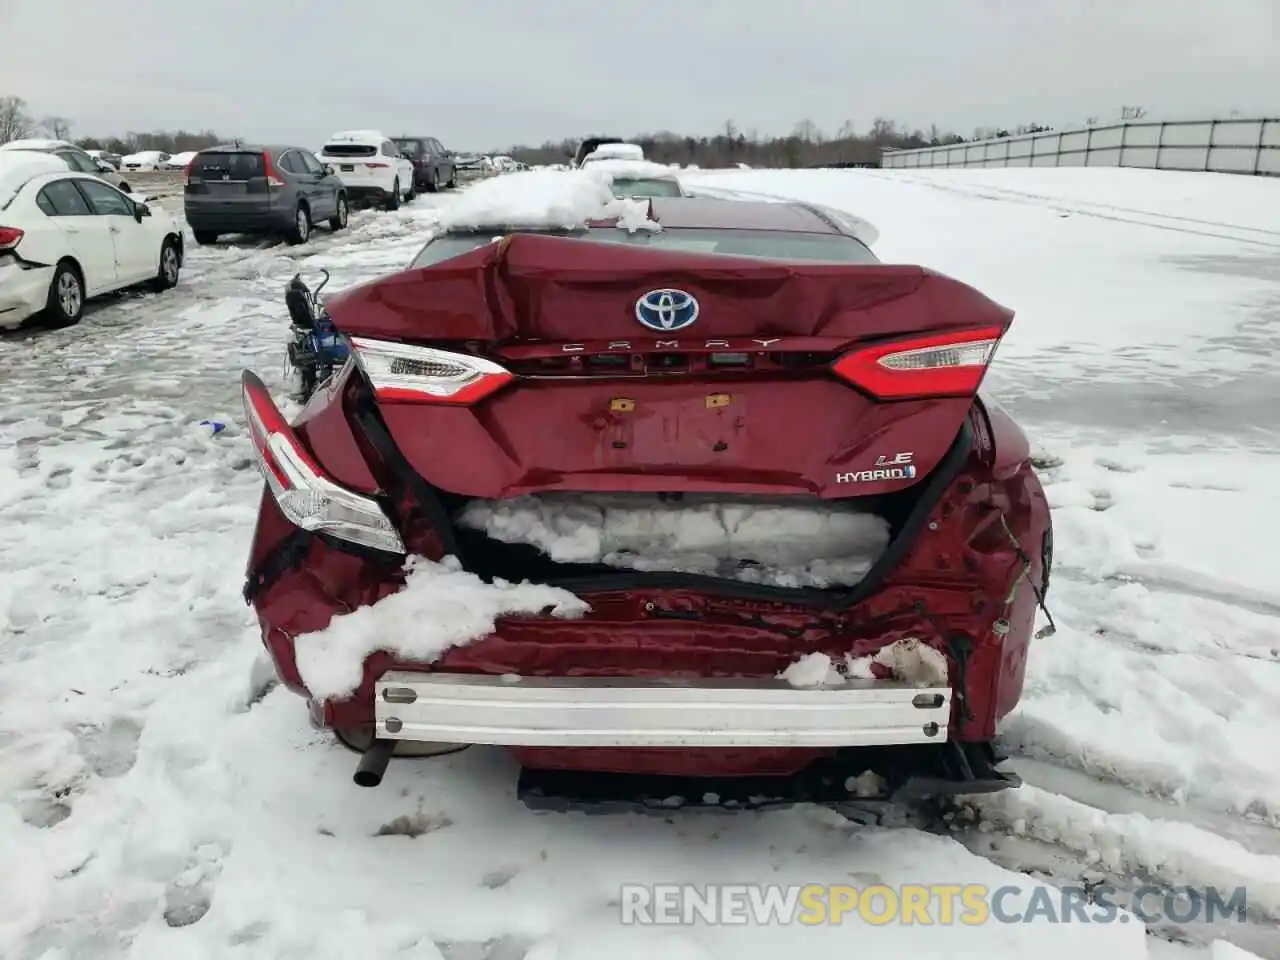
{"x":808,"y":555}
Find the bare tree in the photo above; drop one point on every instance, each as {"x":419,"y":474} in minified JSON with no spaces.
{"x":15,"y":122}
{"x":807,"y":132}
{"x":883,"y":131}
{"x":59,"y":128}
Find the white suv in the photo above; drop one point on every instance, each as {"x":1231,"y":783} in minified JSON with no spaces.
{"x":370,"y":166}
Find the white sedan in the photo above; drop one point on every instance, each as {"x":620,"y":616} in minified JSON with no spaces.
{"x":178,"y":161}
{"x":144,"y":161}
{"x":66,"y":237}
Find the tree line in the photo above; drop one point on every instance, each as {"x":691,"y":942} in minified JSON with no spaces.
{"x":807,"y":145}
{"x":18,"y":122}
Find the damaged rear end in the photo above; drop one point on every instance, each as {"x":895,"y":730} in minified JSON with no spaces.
{"x":808,"y":549}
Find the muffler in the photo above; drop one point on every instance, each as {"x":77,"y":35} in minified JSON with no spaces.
{"x":373,"y":763}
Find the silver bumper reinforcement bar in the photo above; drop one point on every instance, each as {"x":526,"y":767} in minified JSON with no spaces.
{"x":592,"y":712}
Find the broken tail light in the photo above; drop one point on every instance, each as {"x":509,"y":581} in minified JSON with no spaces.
{"x":401,"y":372}
{"x":307,"y":498}
{"x":949,"y":364}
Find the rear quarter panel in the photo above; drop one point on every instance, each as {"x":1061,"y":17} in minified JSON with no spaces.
{"x":1012,"y":448}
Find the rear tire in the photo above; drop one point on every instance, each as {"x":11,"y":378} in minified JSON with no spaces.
{"x":339,"y":219}
{"x":301,"y":231}
{"x":205,"y":237}
{"x":433,"y":180}
{"x":413,"y":190}
{"x":393,"y":199}
{"x":170,"y":266}
{"x":65,"y":306}
{"x":453,"y":178}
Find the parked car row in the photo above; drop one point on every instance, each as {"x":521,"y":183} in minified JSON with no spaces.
{"x":81,"y":161}
{"x":67,"y":235}
{"x":285,"y":190}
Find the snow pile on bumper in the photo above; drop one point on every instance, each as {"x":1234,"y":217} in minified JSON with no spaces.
{"x":441,"y":606}
{"x":910,"y":661}
{"x":819,"y":544}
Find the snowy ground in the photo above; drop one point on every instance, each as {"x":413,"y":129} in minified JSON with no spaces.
{"x":160,"y":800}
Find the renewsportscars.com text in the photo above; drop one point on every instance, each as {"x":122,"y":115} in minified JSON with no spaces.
{"x":923,"y":904}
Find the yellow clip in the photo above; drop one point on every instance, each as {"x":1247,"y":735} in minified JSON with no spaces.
{"x":621,"y":405}
{"x":718,"y":400}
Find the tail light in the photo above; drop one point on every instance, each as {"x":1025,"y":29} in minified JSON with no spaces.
{"x":270,"y":172}
{"x":943,"y":365}
{"x":187,"y":171}
{"x":401,"y":372}
{"x":10,"y":237}
{"x":377,"y":166}
{"x":308,"y":498}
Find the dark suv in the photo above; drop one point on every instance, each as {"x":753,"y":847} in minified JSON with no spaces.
{"x":433,"y":166}
{"x":279,"y":190}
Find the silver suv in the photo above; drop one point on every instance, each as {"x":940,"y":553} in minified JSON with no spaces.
{"x":75,"y":158}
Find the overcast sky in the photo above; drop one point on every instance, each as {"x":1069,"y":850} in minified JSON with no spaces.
{"x":481,"y":74}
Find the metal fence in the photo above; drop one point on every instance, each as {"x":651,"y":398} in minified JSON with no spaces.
{"x":1211,"y":146}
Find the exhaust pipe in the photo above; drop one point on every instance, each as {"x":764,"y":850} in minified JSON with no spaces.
{"x":373,"y":763}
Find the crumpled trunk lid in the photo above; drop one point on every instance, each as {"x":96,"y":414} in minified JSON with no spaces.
{"x":552,"y":289}
{"x":754,"y":403}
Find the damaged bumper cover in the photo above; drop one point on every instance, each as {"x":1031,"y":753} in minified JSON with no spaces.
{"x":625,"y":712}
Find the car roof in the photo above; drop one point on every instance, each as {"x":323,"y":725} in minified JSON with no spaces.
{"x":272,"y":148}
{"x":712,"y":214}
{"x":360,"y":137}
{"x":15,"y":177}
{"x":626,"y":169}
{"x":38,"y":144}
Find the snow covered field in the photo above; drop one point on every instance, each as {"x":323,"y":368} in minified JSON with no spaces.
{"x":159,"y":799}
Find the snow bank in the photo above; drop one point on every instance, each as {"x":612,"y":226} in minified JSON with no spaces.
{"x":544,"y":200}
{"x":1223,"y":950}
{"x":906,"y":661}
{"x":816,"y":545}
{"x":441,"y":606}
{"x":1135,"y":845}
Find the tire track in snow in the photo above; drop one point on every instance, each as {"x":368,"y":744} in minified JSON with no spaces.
{"x":988,"y":191}
{"x":1156,"y":221}
{"x":1069,"y":844}
{"x":1097,"y":788}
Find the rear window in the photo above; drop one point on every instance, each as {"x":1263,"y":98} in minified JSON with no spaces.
{"x":757,"y":244}
{"x":409,"y":146}
{"x":228,"y":166}
{"x":350,"y":150}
